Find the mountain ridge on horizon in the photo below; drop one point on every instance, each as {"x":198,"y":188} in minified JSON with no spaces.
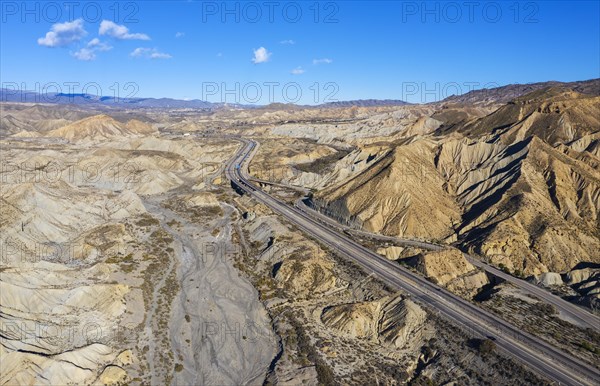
{"x":501,"y":94}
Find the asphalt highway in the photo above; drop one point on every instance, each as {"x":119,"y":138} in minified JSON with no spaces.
{"x":541,"y":357}
{"x":577,"y":315}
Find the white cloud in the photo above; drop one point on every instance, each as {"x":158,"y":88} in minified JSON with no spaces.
{"x":180,"y":34}
{"x":85,"y":54}
{"x":96,"y":44}
{"x":160,"y":55}
{"x":322,"y":61}
{"x":261,"y":55}
{"x":149,"y":53}
{"x":121,"y":32}
{"x":139,"y":52}
{"x":89,"y":53}
{"x":297,"y":71}
{"x":290,"y":42}
{"x":63,"y":34}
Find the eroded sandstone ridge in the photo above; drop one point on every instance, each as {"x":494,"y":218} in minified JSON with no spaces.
{"x":389,"y":321}
{"x":520,"y":186}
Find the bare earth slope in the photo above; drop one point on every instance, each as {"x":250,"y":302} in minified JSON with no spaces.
{"x":521,"y":185}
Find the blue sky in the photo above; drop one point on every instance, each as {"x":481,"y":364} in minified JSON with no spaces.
{"x":341,"y":50}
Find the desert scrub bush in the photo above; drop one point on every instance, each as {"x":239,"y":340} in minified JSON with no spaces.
{"x":118,"y":259}
{"x":297,"y":267}
{"x":213,"y":211}
{"x":484,"y":346}
{"x":324,"y":373}
{"x":147,"y":221}
{"x":544,"y":309}
{"x":504,"y":268}
{"x":588,"y":346}
{"x":173,"y":223}
{"x":323,"y":164}
{"x":128,"y":268}
{"x":161,"y":237}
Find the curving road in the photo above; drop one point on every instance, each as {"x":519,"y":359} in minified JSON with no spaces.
{"x":538,"y":355}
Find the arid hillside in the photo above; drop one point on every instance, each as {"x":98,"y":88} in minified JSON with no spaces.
{"x":520,"y":186}
{"x":127,"y":222}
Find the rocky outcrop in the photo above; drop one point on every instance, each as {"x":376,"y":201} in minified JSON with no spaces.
{"x":307,"y":276}
{"x":469,"y":284}
{"x":390,"y":321}
{"x":391,"y":253}
{"x":545,"y":220}
{"x":442,"y":266}
{"x":358,"y":320}
{"x":586,"y":283}
{"x":450,"y":268}
{"x":549,"y":279}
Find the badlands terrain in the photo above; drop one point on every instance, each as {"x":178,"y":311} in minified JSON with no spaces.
{"x":128,"y":257}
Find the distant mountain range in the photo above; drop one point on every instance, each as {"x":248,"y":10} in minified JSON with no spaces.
{"x":501,"y":94}
{"x":7,"y":95}
{"x":365,"y":103}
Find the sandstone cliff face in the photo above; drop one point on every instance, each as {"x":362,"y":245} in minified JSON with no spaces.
{"x":358,"y":320}
{"x":586,"y":282}
{"x":401,"y":322}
